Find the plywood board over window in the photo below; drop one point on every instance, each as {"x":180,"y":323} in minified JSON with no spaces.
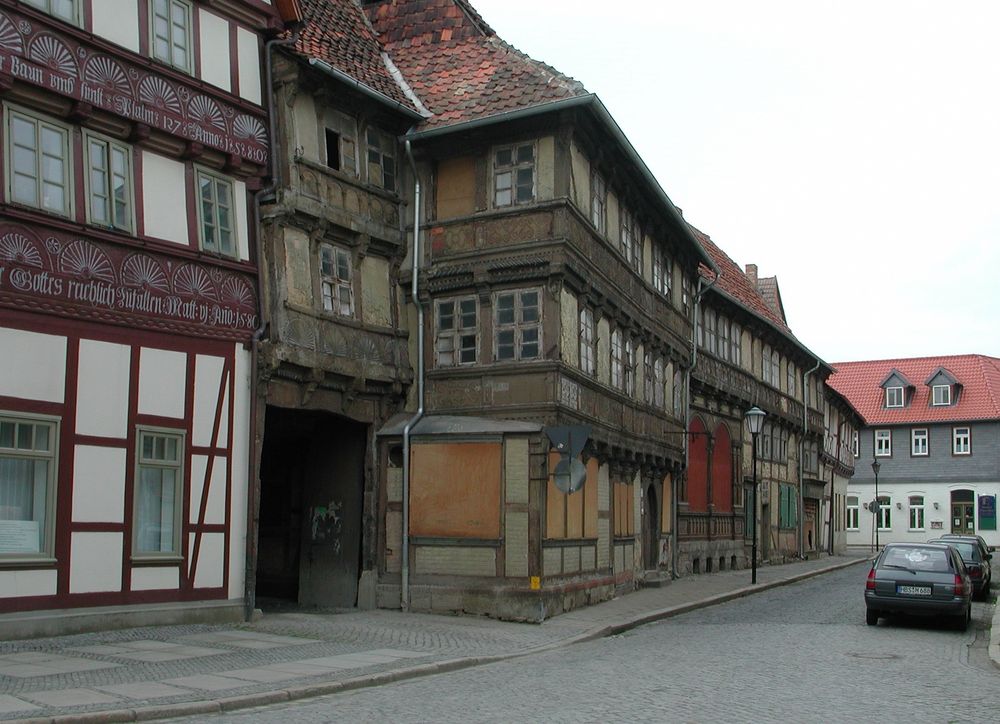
{"x":456,"y":187}
{"x":456,"y":489}
{"x":571,"y":516}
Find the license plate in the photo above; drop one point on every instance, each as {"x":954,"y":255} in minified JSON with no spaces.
{"x":914,"y":590}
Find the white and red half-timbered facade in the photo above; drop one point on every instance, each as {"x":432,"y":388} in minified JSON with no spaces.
{"x":133,"y":138}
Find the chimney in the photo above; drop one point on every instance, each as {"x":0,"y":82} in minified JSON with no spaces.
{"x":752,"y":274}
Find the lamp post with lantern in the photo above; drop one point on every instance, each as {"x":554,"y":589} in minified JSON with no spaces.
{"x":878,"y":506}
{"x":755,"y":421}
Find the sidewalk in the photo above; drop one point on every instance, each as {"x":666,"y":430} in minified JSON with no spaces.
{"x":159,"y":672}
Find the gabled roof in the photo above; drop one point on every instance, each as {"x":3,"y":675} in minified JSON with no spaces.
{"x":768,"y":288}
{"x":898,"y":375}
{"x":860,"y":383}
{"x":942,"y":372}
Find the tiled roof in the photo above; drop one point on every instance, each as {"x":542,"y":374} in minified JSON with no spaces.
{"x":457,"y":66}
{"x":768,"y":288}
{"x":979,"y":375}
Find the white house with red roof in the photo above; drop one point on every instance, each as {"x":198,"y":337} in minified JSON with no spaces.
{"x":932,"y":425}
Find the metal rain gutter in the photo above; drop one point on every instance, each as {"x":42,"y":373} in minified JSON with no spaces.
{"x":364,"y":89}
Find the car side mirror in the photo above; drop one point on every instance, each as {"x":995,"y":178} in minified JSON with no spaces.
{"x":989,"y":556}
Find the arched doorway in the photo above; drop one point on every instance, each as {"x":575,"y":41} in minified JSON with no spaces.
{"x":651,"y":530}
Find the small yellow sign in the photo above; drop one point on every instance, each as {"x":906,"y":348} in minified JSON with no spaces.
{"x":536,"y":583}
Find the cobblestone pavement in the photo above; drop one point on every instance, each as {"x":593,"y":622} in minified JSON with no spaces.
{"x":167,"y":671}
{"x":799,"y":653}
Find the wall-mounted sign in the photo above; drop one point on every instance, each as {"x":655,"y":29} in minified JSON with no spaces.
{"x":85,"y":278}
{"x":937,"y":525}
{"x":58,"y":63}
{"x":987,"y":512}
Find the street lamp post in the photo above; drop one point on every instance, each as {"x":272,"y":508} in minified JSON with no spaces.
{"x":878,"y":506}
{"x":755,"y":420}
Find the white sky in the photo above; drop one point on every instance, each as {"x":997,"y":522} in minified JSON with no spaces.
{"x":851,"y":148}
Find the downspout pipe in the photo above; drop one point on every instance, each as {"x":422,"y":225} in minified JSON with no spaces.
{"x":699,"y":293}
{"x":404,"y":593}
{"x":802,"y":448}
{"x":253,"y":465}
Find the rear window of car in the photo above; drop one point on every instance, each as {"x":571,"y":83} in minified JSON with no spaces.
{"x":969,"y":551}
{"x":918,"y":559}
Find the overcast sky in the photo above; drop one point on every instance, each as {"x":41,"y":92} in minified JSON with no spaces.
{"x":850,"y":148}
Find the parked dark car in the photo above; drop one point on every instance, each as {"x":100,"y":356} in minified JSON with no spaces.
{"x":923,"y":579}
{"x":982,"y":541}
{"x":976,"y":559}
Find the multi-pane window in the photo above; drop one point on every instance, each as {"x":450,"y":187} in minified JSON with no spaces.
{"x":724,"y":338}
{"x":765,"y":364}
{"x":941,"y":394}
{"x":686,"y":295}
{"x":587,"y":342}
{"x":659,"y":381}
{"x":916,"y":512}
{"x":663,"y":270}
{"x":737,"y":355}
{"x":109,"y":183}
{"x":158,"y":500}
{"x":647,"y":378}
{"x":340,"y":134}
{"x":599,"y":204}
{"x":791,"y":379}
{"x":381,"y":159}
{"x":775,"y":368}
{"x":884,"y":512}
{"x":336,"y":285}
{"x":617,"y":359}
{"x":457,"y":332}
{"x":883,"y":443}
{"x":631,"y":244}
{"x":918,"y":441}
{"x":711,"y":335}
{"x":514,"y":174}
{"x":893,"y":396}
{"x":678,"y":391}
{"x":961,"y":441}
{"x":63,"y":9}
{"x":38,"y":153}
{"x":856,"y":443}
{"x":518,"y":325}
{"x":27,"y":481}
{"x":171,"y":25}
{"x":215,"y":213}
{"x":852,"y":512}
{"x":630,"y":367}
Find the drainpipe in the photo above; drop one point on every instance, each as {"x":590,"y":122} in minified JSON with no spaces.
{"x":404,"y":597}
{"x":253,"y":467}
{"x":687,"y":410}
{"x":802,"y":448}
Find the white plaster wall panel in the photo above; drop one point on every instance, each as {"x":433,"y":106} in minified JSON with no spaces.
{"x":248,"y":63}
{"x":155,"y":579}
{"x":240,"y":204}
{"x":164,"y":198}
{"x":14,"y":584}
{"x":99,"y":484}
{"x":215,"y":63}
{"x":207,"y":374}
{"x":117,"y":21}
{"x":240,"y":472}
{"x":215,"y":510}
{"x":162,"y":381}
{"x":222,"y":438}
{"x":102,"y":389}
{"x":95,"y":562}
{"x":211,"y":561}
{"x":34,"y":365}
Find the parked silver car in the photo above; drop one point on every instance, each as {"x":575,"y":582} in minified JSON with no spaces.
{"x":924,"y":579}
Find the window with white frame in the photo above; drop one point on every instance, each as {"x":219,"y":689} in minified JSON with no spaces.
{"x":617,"y":359}
{"x":518,"y":325}
{"x":588,"y":339}
{"x":514,"y":174}
{"x":158,"y":498}
{"x":883,"y":443}
{"x":599,"y":204}
{"x":109,"y":182}
{"x":852,"y":512}
{"x":941,"y":394}
{"x":215,"y":213}
{"x":918,"y":441}
{"x":659,"y":381}
{"x":336,"y":280}
{"x":67,"y":10}
{"x":893,"y":396}
{"x":381,"y":159}
{"x":39,"y":168}
{"x":916,"y":512}
{"x":884,"y":512}
{"x":170,"y":22}
{"x":961,"y":441}
{"x":630,"y":367}
{"x":28,"y":449}
{"x":856,"y":443}
{"x":457,"y":341}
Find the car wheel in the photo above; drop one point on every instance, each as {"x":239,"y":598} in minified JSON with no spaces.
{"x":871,"y":617}
{"x":962,"y":620}
{"x":986,"y":588}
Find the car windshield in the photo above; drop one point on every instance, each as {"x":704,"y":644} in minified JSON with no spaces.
{"x":917,"y":559}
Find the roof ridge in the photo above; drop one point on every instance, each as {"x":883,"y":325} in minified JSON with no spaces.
{"x":989,"y":382}
{"x":569,"y":82}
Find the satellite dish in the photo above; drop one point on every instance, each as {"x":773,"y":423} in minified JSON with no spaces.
{"x":570,"y":475}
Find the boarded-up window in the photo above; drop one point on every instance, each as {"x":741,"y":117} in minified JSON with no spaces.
{"x":456,"y":187}
{"x":624,"y":510}
{"x":455,"y":489}
{"x":571,"y":516}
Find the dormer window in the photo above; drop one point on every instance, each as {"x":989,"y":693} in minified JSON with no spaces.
{"x":941,"y":395}
{"x":894,"y":397}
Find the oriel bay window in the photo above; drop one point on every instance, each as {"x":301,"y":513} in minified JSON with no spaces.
{"x":518,"y":325}
{"x":457,"y":339}
{"x":38,"y":162}
{"x":27,"y":486}
{"x":158,"y":500}
{"x":336,"y":281}
{"x":514,"y":174}
{"x":109,"y":182}
{"x":215,"y":213}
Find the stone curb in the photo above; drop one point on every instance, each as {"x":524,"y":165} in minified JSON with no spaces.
{"x":277,"y":696}
{"x":994,"y":646}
